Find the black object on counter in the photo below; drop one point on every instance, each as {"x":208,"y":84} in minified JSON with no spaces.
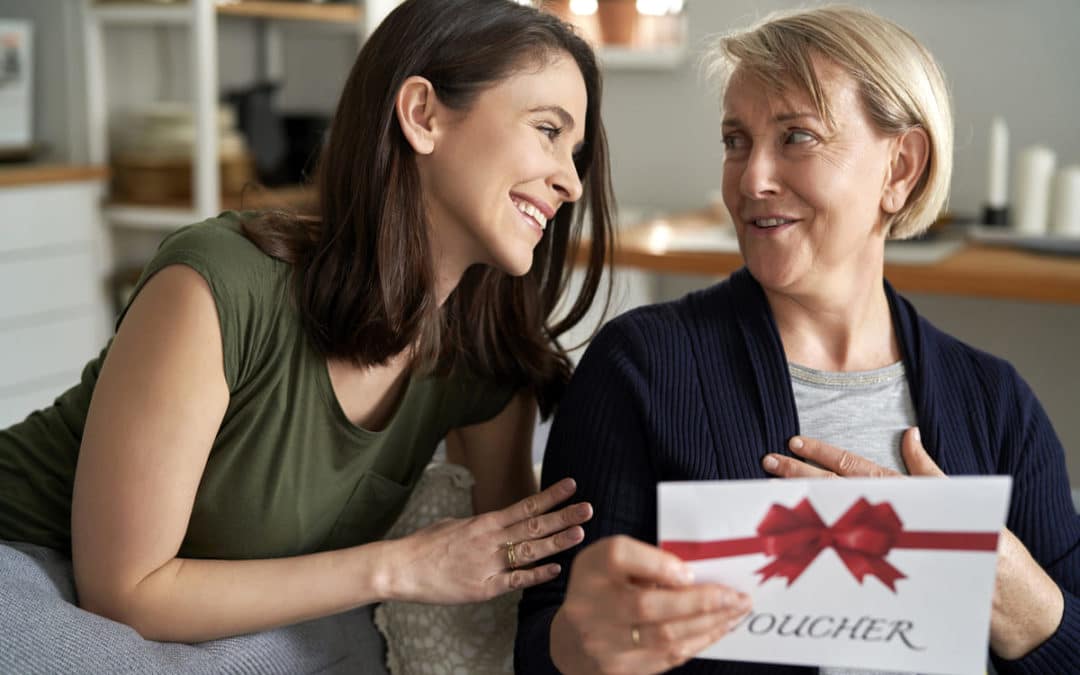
{"x":998,"y":216}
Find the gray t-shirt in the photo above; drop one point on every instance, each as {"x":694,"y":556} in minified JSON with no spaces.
{"x":864,"y":412}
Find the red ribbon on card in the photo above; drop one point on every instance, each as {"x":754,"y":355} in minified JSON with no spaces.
{"x":862,"y":537}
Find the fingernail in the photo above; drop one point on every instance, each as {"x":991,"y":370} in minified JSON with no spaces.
{"x":576,"y":534}
{"x":743,"y":602}
{"x":796,"y":443}
{"x":684,"y":574}
{"x":918,"y":435}
{"x":719,"y":600}
{"x":554,"y":570}
{"x":770,"y":463}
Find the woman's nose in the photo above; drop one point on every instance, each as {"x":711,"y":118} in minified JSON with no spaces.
{"x":759,"y":174}
{"x":566,"y":181}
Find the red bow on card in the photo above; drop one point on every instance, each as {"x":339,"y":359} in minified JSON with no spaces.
{"x":862,"y":537}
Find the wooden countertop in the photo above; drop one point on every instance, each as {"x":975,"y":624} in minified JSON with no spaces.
{"x":975,"y":270}
{"x":293,"y":11}
{"x":16,"y":175}
{"x":253,"y":197}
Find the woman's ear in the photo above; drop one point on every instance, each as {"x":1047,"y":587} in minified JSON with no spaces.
{"x":415,"y":107}
{"x":910,"y":155}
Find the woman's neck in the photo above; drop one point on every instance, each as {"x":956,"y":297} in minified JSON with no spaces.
{"x":450,"y":253}
{"x":446,"y":280}
{"x":842,"y":326}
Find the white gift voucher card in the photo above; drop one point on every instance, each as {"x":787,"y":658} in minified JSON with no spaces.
{"x":888,"y":573}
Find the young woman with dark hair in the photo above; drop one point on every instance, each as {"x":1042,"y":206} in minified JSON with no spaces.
{"x":232,"y":460}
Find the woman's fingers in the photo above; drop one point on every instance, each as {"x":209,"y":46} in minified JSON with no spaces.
{"x":840,"y":462}
{"x":693,"y":646}
{"x":630,"y":607}
{"x":642,"y":605}
{"x":789,"y":467}
{"x":514,"y":580}
{"x":537,"y":527}
{"x":662,"y":646}
{"x":545,"y":534}
{"x":531,"y":550}
{"x":622,"y":559}
{"x":681,"y":632}
{"x":832,"y":459}
{"x":536,"y":504}
{"x":836,"y":462}
{"x":696,"y":635}
{"x":916,"y":459}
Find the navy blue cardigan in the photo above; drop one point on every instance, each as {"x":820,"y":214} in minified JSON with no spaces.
{"x":698,"y":389}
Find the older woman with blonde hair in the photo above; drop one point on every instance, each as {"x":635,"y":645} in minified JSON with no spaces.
{"x":838,"y":136}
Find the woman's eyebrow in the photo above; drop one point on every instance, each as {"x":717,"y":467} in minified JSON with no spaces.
{"x":566,"y":118}
{"x":781,"y":117}
{"x":789,"y":116}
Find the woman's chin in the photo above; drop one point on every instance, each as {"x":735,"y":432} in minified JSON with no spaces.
{"x":772,"y":273}
{"x":516,"y":264}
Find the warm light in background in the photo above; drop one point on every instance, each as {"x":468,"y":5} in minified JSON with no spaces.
{"x":659,"y":237}
{"x":583,"y":7}
{"x":659,"y":7}
{"x":647,"y":7}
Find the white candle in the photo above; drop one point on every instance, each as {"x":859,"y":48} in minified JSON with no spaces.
{"x":998,"y":165}
{"x":1031,"y":201}
{"x":1065,"y":213}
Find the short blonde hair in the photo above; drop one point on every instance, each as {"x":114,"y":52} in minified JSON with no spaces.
{"x":899,"y":82}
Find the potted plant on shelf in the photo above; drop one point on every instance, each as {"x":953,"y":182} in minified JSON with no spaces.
{"x":617,"y":19}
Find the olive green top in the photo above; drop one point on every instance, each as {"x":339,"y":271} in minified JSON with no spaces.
{"x":288,"y":473}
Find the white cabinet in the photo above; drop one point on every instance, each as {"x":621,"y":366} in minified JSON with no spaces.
{"x":54,"y":309}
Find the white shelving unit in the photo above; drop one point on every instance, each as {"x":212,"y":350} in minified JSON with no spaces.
{"x":200,"y":17}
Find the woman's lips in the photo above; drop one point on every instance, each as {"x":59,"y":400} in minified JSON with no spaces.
{"x":770,"y":224}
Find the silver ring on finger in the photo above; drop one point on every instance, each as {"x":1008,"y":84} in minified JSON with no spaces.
{"x":511,"y":555}
{"x":635,"y":636}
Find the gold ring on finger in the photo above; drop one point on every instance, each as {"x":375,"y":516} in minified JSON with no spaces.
{"x":635,"y":636}
{"x":511,"y":555}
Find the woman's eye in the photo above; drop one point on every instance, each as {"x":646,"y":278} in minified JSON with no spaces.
{"x":733,"y":142}
{"x":796,"y":137}
{"x":551,"y":132}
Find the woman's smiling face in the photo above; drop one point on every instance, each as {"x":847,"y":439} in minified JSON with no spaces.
{"x":501,"y":169}
{"x":805,"y":198}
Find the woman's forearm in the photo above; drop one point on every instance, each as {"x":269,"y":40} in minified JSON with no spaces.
{"x":191,"y":600}
{"x":454,"y":561}
{"x":1028,"y":604}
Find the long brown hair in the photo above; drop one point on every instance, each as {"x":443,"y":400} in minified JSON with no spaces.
{"x":364,"y":275}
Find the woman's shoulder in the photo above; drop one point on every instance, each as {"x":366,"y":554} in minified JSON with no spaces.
{"x":249,"y":287}
{"x":963,"y":372}
{"x":943,"y":354}
{"x":217,"y":248}
{"x":666,"y":336}
{"x":677,"y":319}
{"x":218,"y":241}
{"x":953,"y":355}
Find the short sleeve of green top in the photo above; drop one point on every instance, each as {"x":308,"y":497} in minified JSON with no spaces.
{"x":288,"y":473}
